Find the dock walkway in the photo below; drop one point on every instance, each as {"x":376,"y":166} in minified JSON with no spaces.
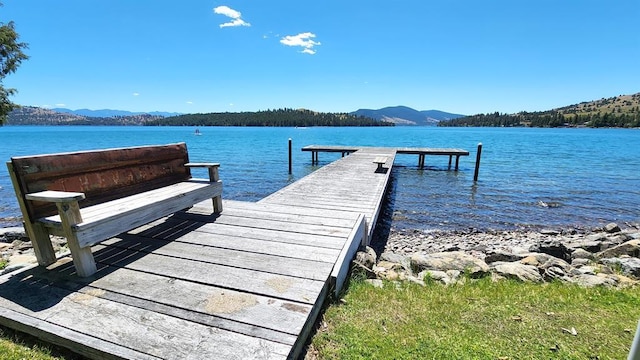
{"x":247,"y":284}
{"x":420,"y":151}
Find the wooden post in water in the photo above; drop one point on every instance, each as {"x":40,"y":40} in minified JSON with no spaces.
{"x":478,"y":154}
{"x":290,"y":158}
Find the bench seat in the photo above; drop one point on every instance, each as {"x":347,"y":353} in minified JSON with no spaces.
{"x":111,"y":218}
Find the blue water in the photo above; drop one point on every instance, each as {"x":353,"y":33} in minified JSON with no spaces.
{"x":528,"y":177}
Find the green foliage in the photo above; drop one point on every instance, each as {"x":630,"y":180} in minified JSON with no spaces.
{"x":479,"y":319}
{"x":11,"y":56}
{"x":280,"y":117}
{"x":621,"y":111}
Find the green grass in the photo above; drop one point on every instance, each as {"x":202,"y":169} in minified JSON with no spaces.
{"x":18,"y":346}
{"x":479,"y":320}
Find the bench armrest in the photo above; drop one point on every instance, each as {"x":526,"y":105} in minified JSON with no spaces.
{"x":212,"y":167}
{"x":55,"y":196}
{"x":207,"y":165}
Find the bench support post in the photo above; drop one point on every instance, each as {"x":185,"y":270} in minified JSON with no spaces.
{"x":82,"y":257}
{"x":41,"y":243}
{"x":217,"y":201}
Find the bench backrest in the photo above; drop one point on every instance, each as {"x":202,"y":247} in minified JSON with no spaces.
{"x":103,"y":175}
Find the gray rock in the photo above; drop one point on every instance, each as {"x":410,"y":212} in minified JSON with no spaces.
{"x":393,"y":257}
{"x":516,"y":270}
{"x":555,"y":262}
{"x":581,"y":253}
{"x":549,"y":232}
{"x":591,"y":246}
{"x":501,"y":255}
{"x":454,"y":260}
{"x":631,"y":248}
{"x":555,"y":273}
{"x":596,"y":237}
{"x":554,"y":248}
{"x":536,"y":259}
{"x":630,"y":266}
{"x":612,"y":228}
{"x":587,"y":270}
{"x":579,"y":262}
{"x":594,"y":280}
{"x":367,"y":258}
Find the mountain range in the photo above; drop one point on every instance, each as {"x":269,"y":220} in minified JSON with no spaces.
{"x":111,"y":113}
{"x":403,"y":115}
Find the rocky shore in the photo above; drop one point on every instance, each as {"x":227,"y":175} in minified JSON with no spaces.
{"x":607,"y":256}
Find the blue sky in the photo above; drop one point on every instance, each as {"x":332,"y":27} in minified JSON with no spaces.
{"x":193,"y":56}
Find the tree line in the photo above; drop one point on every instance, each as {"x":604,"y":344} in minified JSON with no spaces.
{"x":549,"y":119}
{"x":277,"y":118}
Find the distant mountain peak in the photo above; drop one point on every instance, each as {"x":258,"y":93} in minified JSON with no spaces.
{"x":404,"y":115}
{"x":111,"y":113}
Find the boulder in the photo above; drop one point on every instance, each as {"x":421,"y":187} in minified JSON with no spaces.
{"x":554,"y":248}
{"x":454,"y":260}
{"x":631,"y":248}
{"x":367,"y":258}
{"x":612,"y":228}
{"x":587,"y":280}
{"x":516,"y":270}
{"x":630,"y":266}
{"x":536,"y":259}
{"x":581,"y":253}
{"x":579,"y":262}
{"x":591,"y":246}
{"x":503,"y":256}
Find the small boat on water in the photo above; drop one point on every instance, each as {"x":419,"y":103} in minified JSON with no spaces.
{"x":197,"y":133}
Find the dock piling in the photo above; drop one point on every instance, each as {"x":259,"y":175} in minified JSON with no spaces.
{"x":478,"y":154}
{"x":290,"y":158}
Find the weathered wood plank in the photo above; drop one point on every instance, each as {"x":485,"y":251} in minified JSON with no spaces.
{"x":257,"y":282}
{"x":272,"y":225}
{"x":170,"y":228}
{"x":303,"y":268}
{"x":149,"y":332}
{"x":289,"y":218}
{"x":284,"y":209}
{"x":245,"y":313}
{"x":217,"y":241}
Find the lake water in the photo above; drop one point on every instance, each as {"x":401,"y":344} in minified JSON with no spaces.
{"x":529,"y":178}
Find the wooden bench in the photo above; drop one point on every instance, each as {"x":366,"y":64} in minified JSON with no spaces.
{"x":91,"y":196}
{"x":380,"y":160}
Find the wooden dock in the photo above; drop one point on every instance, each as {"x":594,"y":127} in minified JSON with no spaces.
{"x":421,"y":152}
{"x":247,"y":284}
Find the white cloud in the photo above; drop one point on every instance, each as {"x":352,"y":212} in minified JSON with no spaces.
{"x":190,"y":102}
{"x":234,"y":15}
{"x":61,"y":105}
{"x":304,"y":40}
{"x":135,"y":94}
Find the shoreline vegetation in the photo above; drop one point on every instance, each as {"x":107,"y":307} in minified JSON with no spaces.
{"x":621,"y":111}
{"x":617,"y":112}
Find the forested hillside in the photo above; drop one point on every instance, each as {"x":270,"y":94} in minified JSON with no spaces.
{"x":280,"y":117}
{"x":620,"y":111}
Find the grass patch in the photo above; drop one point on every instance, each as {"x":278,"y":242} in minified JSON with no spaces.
{"x":479,"y":320}
{"x":18,"y":346}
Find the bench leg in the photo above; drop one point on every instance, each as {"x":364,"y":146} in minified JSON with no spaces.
{"x":217,"y":204}
{"x":41,"y":243}
{"x":82,"y":256}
